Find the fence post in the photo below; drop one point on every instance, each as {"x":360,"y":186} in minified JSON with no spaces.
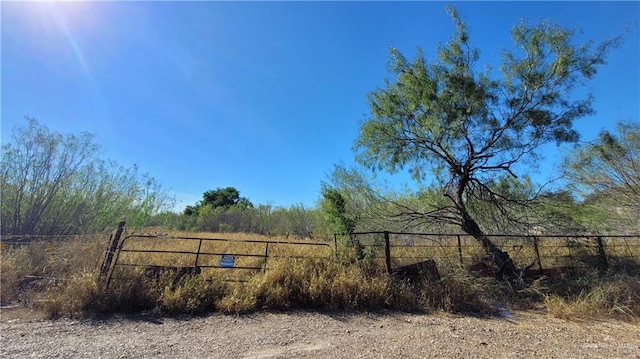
{"x":570,"y":255}
{"x":387,"y":251}
{"x":536,"y":248}
{"x":602,"y":256}
{"x":198,"y":254}
{"x":266,"y":255}
{"x":106,"y":264}
{"x":460,"y":250}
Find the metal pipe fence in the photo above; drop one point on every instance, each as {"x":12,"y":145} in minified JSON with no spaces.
{"x":215,"y":257}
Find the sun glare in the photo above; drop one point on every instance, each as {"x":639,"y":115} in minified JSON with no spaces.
{"x":67,"y":36}
{"x":52,"y":16}
{"x":60,"y":28}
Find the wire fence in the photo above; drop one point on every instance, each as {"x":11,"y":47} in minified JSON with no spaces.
{"x":396,"y":249}
{"x":238,"y":259}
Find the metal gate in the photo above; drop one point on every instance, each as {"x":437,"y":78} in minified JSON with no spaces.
{"x":228,"y":259}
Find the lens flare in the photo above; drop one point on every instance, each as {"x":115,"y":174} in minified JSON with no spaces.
{"x":69,"y":21}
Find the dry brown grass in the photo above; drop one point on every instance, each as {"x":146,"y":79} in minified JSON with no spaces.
{"x":61,"y":277}
{"x":78,"y":296}
{"x":252,"y":252}
{"x":617,"y":297}
{"x":324,"y":284}
{"x":31,"y":268}
{"x":554,"y":251}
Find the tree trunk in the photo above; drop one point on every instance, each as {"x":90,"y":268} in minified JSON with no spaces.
{"x":506,"y":267}
{"x":501,"y":259}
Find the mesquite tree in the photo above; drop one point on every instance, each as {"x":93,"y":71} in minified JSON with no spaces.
{"x":53,"y":183}
{"x":471,"y":127}
{"x":607,"y":172}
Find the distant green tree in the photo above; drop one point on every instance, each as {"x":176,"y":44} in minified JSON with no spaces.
{"x":220,"y":198}
{"x":469,"y":128}
{"x":191,"y":210}
{"x":225,"y":197}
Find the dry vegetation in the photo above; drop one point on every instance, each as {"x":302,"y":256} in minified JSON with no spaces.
{"x":62,"y":278}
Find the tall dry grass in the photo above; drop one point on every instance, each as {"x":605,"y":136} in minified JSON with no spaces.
{"x":34,"y":267}
{"x":614,"y":296}
{"x":63,"y":280}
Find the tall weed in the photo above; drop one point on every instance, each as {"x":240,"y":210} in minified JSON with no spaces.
{"x":617,"y":297}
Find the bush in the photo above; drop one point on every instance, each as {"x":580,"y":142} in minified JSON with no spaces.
{"x":52,"y":183}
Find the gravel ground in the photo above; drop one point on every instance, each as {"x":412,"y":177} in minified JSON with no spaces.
{"x":317,"y":335}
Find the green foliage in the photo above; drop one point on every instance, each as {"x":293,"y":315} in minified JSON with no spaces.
{"x":472,"y":129}
{"x":224,"y":198}
{"x":296,"y":220}
{"x":606,"y":173}
{"x":52,"y":183}
{"x":356,"y":204}
{"x":558,"y":213}
{"x":223,"y":210}
{"x":512,"y":211}
{"x":464,"y":124}
{"x":335,"y":211}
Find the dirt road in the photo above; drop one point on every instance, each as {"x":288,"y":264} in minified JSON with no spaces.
{"x":318,"y":335}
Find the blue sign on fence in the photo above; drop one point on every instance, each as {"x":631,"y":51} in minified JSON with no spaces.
{"x":227,"y":261}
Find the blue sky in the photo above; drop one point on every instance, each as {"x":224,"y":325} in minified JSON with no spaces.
{"x":264,"y":97}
